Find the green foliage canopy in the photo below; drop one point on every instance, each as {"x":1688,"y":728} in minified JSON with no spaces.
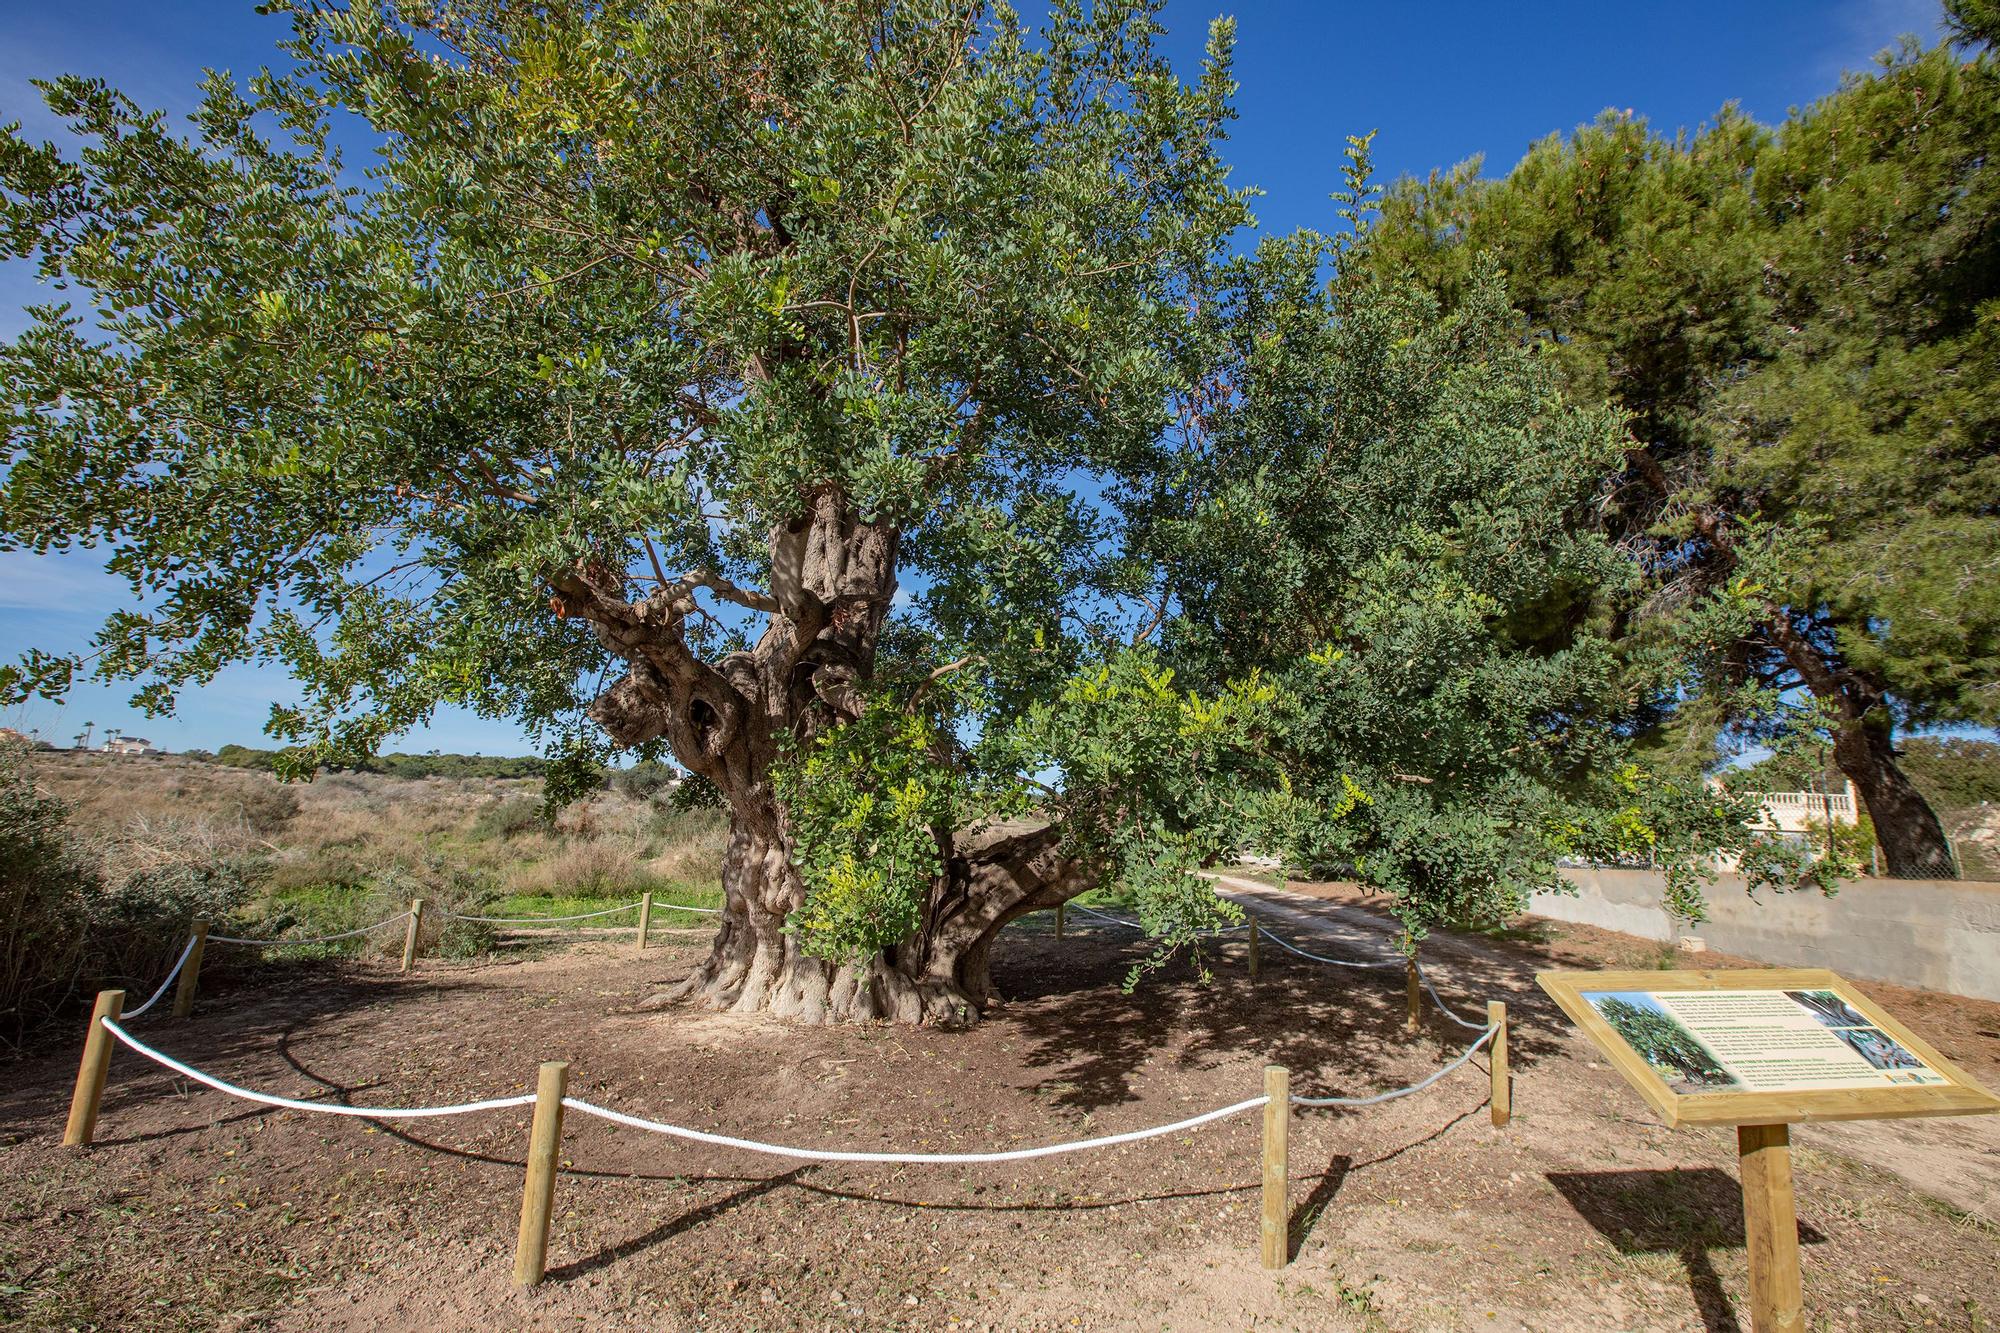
{"x":1800,"y":323}
{"x":628,"y":293}
{"x":1430,"y":593}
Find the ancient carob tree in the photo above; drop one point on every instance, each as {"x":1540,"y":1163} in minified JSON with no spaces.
{"x":732,"y":379}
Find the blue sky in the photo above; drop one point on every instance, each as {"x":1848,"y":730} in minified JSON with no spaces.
{"x":1441,"y":82}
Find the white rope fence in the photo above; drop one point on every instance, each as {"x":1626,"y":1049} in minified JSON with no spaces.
{"x":1418,"y":1086}
{"x":550,"y":1098}
{"x":545,"y":920}
{"x":662,"y":1127}
{"x":325,"y":1108}
{"x":1284,"y":943}
{"x":550,"y":1101}
{"x":1443,"y":1008}
{"x":201,"y":935}
{"x":275,"y":940}
{"x":912,"y":1158}
{"x":1423,"y":977}
{"x":1134,"y":925}
{"x":174,"y":972}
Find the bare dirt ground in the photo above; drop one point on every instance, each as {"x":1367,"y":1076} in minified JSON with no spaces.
{"x":199,"y":1211}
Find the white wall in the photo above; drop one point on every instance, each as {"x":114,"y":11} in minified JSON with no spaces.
{"x":1939,"y":934}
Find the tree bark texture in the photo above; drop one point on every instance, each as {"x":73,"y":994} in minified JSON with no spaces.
{"x":833,"y":577}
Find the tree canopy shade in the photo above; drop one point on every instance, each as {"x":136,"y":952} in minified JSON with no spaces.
{"x":1801,"y":323}
{"x":805,"y":389}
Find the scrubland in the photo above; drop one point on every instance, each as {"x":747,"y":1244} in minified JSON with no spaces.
{"x":108,"y":876}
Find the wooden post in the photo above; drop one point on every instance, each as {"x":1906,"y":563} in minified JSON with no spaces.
{"x":1413,"y":992}
{"x":645,"y":918}
{"x":1770,"y":1228}
{"x":90,"y":1074}
{"x":1503,"y":1093}
{"x":190,"y":971}
{"x":410,"y":938}
{"x":1277,"y":1165}
{"x":1061,"y":908}
{"x":531,"y":1248}
{"x":1254,"y":933}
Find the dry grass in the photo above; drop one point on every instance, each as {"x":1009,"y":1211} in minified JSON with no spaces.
{"x":336,"y":850}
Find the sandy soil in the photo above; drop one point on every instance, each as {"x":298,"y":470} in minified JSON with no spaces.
{"x":197,"y":1211}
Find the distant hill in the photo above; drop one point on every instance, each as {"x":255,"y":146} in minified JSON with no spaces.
{"x":431,"y":765}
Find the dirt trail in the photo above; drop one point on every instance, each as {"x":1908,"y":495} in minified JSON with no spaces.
{"x":1956,"y":1158}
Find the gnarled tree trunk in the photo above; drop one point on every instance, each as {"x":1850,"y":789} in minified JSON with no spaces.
{"x":939,"y":975}
{"x":833,"y":577}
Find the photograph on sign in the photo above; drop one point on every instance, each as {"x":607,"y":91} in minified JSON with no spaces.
{"x":1708,"y":1041}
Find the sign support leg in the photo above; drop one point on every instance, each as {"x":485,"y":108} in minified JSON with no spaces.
{"x":1771,"y":1228}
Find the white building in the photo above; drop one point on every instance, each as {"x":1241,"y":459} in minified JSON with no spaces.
{"x":1803,"y":811}
{"x":131,"y":745}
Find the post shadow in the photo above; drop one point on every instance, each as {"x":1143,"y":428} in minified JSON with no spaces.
{"x":1686,"y":1213}
{"x":1316,"y":1202}
{"x":672,"y":1227}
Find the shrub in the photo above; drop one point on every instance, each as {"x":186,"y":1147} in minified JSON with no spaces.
{"x":137,"y":929}
{"x":268,"y":810}
{"x":586,"y":868}
{"x":644,"y":780}
{"x":78,"y":918}
{"x":44,"y":879}
{"x":691,"y":844}
{"x":508,"y":819}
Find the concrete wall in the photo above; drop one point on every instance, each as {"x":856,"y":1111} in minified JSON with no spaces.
{"x":1939,"y":934}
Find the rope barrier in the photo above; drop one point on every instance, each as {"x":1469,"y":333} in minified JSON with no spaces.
{"x":1487,"y":1033}
{"x":1394,"y":1093}
{"x":542,"y":920}
{"x":1284,"y":943}
{"x":326,"y":1108}
{"x":1444,"y":1008}
{"x":837,"y":1155}
{"x":179,"y":963}
{"x":315,"y":939}
{"x":1134,"y":925}
{"x":676,"y":1131}
{"x":549,"y":1099}
{"x":1422,"y":976}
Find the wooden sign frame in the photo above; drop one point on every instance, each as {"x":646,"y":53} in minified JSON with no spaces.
{"x":1961,"y":1095}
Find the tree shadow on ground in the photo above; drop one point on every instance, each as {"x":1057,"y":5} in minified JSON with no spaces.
{"x":1340,"y":1031}
{"x":1685,"y":1213}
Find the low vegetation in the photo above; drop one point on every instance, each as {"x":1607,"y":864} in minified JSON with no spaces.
{"x":430,"y":765}
{"x":104,"y":861}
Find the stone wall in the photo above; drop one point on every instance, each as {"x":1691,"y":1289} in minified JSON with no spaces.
{"x":1939,"y":934}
